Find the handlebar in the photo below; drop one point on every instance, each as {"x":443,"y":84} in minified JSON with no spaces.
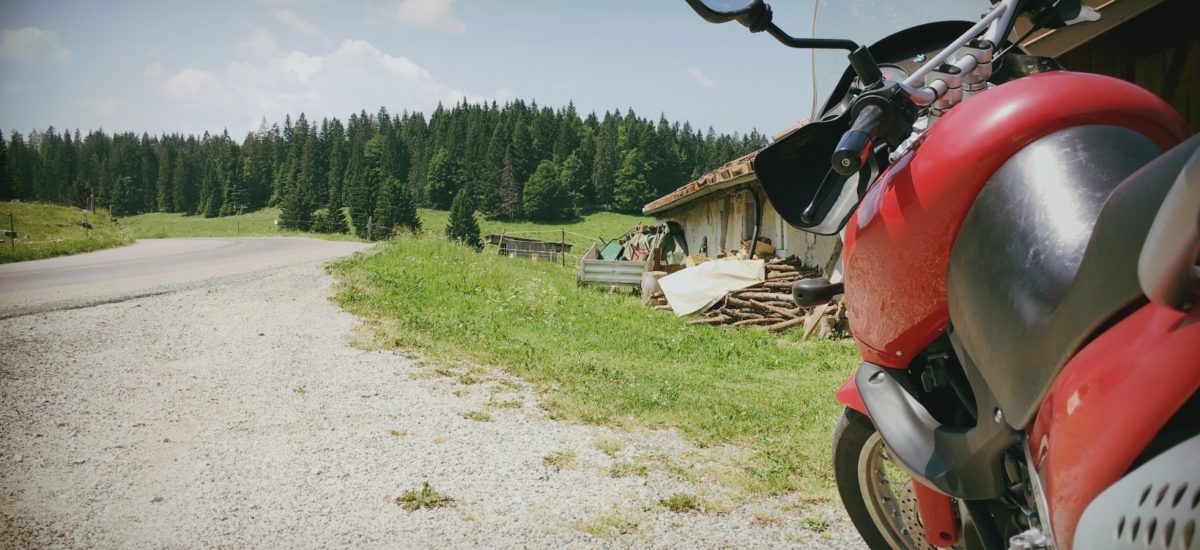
{"x":852,"y":150}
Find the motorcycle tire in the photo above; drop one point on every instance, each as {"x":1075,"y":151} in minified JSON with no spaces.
{"x":854,"y":436}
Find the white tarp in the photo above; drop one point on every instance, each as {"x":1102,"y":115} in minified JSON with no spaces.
{"x":695,"y":288}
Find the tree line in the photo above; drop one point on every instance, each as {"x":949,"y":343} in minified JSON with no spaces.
{"x":516,"y":161}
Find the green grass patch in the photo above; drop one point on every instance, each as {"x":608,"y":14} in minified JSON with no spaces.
{"x":425,"y":498}
{"x":606,"y":359}
{"x":478,"y":416}
{"x":680,"y":502}
{"x":48,"y":230}
{"x":560,"y":460}
{"x":580,"y":234}
{"x":261,"y":223}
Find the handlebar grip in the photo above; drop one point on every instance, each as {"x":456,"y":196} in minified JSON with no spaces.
{"x":855,"y":145}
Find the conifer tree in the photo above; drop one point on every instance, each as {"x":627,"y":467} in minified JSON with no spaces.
{"x":630,"y":191}
{"x":510,"y":194}
{"x":462,"y":227}
{"x":544,"y":197}
{"x":444,"y":181}
{"x":6,"y":186}
{"x":396,"y":210}
{"x":576,"y":184}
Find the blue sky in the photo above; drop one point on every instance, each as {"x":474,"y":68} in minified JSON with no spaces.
{"x":174,"y":65}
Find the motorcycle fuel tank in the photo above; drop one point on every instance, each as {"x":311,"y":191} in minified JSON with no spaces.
{"x":898,"y":243}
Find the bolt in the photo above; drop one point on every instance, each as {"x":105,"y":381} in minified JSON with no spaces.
{"x":846,"y":162}
{"x":876,"y":378}
{"x":998,"y":415}
{"x":899,"y":354}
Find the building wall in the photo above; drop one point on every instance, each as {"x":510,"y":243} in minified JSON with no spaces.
{"x":1158,"y":50}
{"x":725,"y":219}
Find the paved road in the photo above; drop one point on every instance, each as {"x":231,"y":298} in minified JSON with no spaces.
{"x":150,"y":267}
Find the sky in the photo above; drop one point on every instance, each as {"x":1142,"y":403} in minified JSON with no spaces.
{"x":187,"y":66}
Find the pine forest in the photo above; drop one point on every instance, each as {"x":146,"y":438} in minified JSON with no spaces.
{"x":516,"y":161}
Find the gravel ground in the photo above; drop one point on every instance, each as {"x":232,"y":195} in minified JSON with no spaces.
{"x":237,"y":414}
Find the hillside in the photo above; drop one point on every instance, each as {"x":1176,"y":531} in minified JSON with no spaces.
{"x":47,"y":230}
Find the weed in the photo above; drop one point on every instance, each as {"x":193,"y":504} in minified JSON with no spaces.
{"x":609,"y":447}
{"x":610,"y":524}
{"x":626,"y":469}
{"x":398,"y":433}
{"x":300,"y":390}
{"x":816,"y":525}
{"x":680,"y":502}
{"x":510,"y":404}
{"x":469,"y":379}
{"x":425,"y":498}
{"x":478,"y":416}
{"x":560,"y":460}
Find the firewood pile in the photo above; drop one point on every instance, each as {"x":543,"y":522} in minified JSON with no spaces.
{"x":768,"y":305}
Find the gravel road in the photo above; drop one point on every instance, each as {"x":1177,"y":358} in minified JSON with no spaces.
{"x":233,"y":412}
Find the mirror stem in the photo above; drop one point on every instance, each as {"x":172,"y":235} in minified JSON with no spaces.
{"x":815,"y":43}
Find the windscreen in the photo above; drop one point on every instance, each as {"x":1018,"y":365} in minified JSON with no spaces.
{"x":863,"y":21}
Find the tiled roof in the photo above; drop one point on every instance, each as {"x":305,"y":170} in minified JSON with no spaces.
{"x":729,"y":171}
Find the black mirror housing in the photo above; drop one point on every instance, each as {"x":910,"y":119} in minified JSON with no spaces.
{"x":756,"y":15}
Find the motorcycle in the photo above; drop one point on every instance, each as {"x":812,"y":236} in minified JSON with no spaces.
{"x":1020,"y":272}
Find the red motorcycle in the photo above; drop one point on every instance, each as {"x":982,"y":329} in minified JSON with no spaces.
{"x":1020,"y":273}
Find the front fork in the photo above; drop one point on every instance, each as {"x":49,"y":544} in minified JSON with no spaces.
{"x":935,"y":508}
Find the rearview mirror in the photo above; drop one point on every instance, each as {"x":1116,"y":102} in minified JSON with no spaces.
{"x":746,"y":12}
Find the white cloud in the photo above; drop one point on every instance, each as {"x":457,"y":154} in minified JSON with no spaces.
{"x":297,"y":23}
{"x":32,"y":44}
{"x":101,"y":106}
{"x":438,"y":14}
{"x":353,"y":77}
{"x":701,"y":78}
{"x":261,"y":44}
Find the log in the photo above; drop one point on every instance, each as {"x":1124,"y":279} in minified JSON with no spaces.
{"x":784,"y":326}
{"x":758,"y":321}
{"x":714,"y":320}
{"x":783,"y":268}
{"x":778,"y":284}
{"x":765,"y":296}
{"x":740,"y":313}
{"x":777,"y":275}
{"x":787,"y":314}
{"x":663,"y":307}
{"x":811,"y":321}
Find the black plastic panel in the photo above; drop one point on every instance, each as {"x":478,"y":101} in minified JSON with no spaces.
{"x":1028,"y":282}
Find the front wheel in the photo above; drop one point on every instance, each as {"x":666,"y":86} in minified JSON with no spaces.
{"x":877,"y":494}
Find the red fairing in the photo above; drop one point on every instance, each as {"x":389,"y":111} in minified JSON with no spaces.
{"x":1108,"y":404}
{"x":848,"y":395}
{"x":897,"y":246}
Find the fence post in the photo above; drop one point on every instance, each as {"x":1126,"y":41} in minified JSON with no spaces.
{"x":562,"y":249}
{"x":370,"y":228}
{"x":12,"y":231}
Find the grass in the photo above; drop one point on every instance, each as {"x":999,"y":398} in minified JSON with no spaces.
{"x":425,"y":498}
{"x":627,"y":469}
{"x":48,"y":230}
{"x":680,"y":502}
{"x":606,"y":359}
{"x":609,"y":447}
{"x":261,"y":223}
{"x":559,"y":460}
{"x":580,"y":233}
{"x":478,"y":416}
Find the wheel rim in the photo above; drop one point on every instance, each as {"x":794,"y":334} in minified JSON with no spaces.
{"x":888,"y":495}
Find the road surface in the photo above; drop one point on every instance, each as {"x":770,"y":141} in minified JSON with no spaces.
{"x":150,"y":267}
{"x":209,"y":398}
